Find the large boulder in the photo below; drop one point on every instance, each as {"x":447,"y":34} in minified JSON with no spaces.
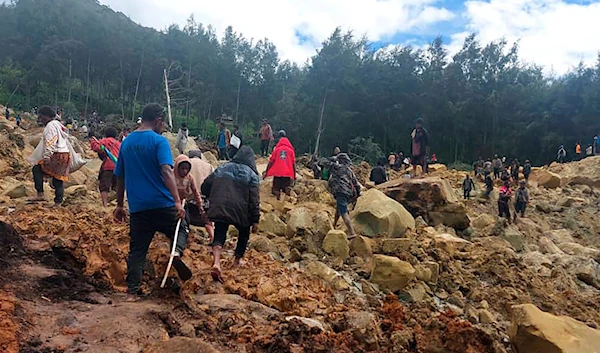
{"x":583,"y":268}
{"x":546,"y":178}
{"x":580,"y":250}
{"x":512,"y":235}
{"x":271,"y":223}
{"x":362,"y":246}
{"x":336,"y":244}
{"x":482,"y":221}
{"x":261,"y":243}
{"x":432,"y":198}
{"x":300,"y":222}
{"x":535,"y":331}
{"x":327,"y":274}
{"x":376,"y":214}
{"x":391,"y":273}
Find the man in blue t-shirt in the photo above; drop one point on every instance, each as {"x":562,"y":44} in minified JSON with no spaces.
{"x":145,"y":169}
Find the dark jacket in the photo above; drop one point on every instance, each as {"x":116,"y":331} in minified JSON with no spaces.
{"x":468,"y":184}
{"x":342,"y":180}
{"x":527,"y":169}
{"x":378,"y":175}
{"x":233,"y":191}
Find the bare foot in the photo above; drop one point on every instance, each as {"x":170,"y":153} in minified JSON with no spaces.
{"x":37,"y":198}
{"x":238,"y":262}
{"x":216,"y":274}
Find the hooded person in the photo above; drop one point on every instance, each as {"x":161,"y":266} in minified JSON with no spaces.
{"x":233,"y":193}
{"x":282,"y":166}
{"x":345,"y":189}
{"x":378,"y":173}
{"x":188,"y":190}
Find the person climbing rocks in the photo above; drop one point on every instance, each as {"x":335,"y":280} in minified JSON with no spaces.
{"x":55,"y":158}
{"x":527,"y":169}
{"x":561,"y":155}
{"x":223,"y":140}
{"x":200,"y":171}
{"x":145,"y":169}
{"x":577,"y":151}
{"x":282,"y":166}
{"x":266,"y":136}
{"x":233,"y":193}
{"x":514,"y":170}
{"x":487,"y":167}
{"x":106,"y":178}
{"x":504,"y":195}
{"x":489,"y":185}
{"x":7,"y":113}
{"x":379,"y":174}
{"x":18,"y":120}
{"x":236,"y":141}
{"x":345,"y":189}
{"x":188,"y":190}
{"x":496,"y":166}
{"x":521,"y":199}
{"x":419,"y":142}
{"x":478,"y":167}
{"x":325,"y":163}
{"x":182,"y":138}
{"x":468,"y":185}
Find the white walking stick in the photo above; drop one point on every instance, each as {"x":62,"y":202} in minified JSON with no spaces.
{"x":173,"y":250}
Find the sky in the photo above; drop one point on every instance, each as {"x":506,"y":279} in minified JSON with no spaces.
{"x":556,"y":34}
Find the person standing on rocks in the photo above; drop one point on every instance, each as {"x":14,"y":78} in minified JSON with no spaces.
{"x":514,"y":170}
{"x":345,"y":189}
{"x":7,"y":113}
{"x":236,"y":141}
{"x":419,"y":142}
{"x":379,"y":174}
{"x":468,"y":185}
{"x":55,"y":159}
{"x":527,"y":169}
{"x":282,"y":166}
{"x":521,"y":200}
{"x":487,"y":167}
{"x":496,"y":166}
{"x":145,"y":169}
{"x":223,"y":139}
{"x":266,"y":136}
{"x":233,"y":192}
{"x":18,"y":120}
{"x":561,"y":155}
{"x":189,"y":191}
{"x":578,"y":151}
{"x":489,"y":185}
{"x":106,"y":179}
{"x":504,"y":196}
{"x":182,"y":138}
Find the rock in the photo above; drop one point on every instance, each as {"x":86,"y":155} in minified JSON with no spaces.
{"x":482,"y":221}
{"x":327,"y":274}
{"x":322,"y":224}
{"x":457,"y":299}
{"x":437,"y":167}
{"x":546,"y":178}
{"x":486,"y":317}
{"x":547,"y":246}
{"x":559,"y":236}
{"x":585,"y":269}
{"x":300,"y":222}
{"x":391,"y":273}
{"x":16,"y":191}
{"x":423,"y":273}
{"x":452,"y":215}
{"x":187,"y":330}
{"x":312,"y":323}
{"x":364,"y":327}
{"x":548,"y":208}
{"x":210,"y":158}
{"x":361,"y":246}
{"x":76,"y":191}
{"x":263,"y":244}
{"x":376,"y":214}
{"x":295,"y":255}
{"x":450,"y":243}
{"x":514,"y":237}
{"x":396,"y":246}
{"x":271,"y":223}
{"x":472,"y":314}
{"x":368,"y":287}
{"x":76,"y":178}
{"x":533,"y":330}
{"x":336,"y":244}
{"x":538,"y":262}
{"x":435,"y":270}
{"x":417,"y":292}
{"x":181,"y":345}
{"x":580,"y":250}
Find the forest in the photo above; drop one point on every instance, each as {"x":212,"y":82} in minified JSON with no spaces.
{"x":84,"y":57}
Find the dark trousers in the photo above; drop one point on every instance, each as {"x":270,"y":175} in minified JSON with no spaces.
{"x":142,"y":227}
{"x":221,"y":236}
{"x":467,"y":193}
{"x":264,"y":147}
{"x":503,"y":210}
{"x":520,"y":207}
{"x":223,"y":155}
{"x":232,"y":151}
{"x":496,"y":173}
{"x":38,"y":180}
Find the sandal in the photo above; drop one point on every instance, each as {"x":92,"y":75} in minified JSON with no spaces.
{"x":216,"y":275}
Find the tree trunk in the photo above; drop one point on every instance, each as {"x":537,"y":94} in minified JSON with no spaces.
{"x":87,"y":84}
{"x":137,"y":85}
{"x":320,"y":130}
{"x":237,"y":105}
{"x":70,"y":78}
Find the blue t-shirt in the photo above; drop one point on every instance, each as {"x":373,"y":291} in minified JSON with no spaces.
{"x":141,"y":157}
{"x":221,"y":142}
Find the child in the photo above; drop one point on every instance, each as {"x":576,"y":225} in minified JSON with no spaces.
{"x":467,"y":185}
{"x":489,"y":185}
{"x":503,"y":200}
{"x":186,"y":185}
{"x":522,"y":199}
{"x":106,"y":179}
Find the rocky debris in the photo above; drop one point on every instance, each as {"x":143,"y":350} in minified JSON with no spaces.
{"x":76,"y":178}
{"x":450,"y":243}
{"x":547,"y":246}
{"x":580,"y":250}
{"x":312,"y":323}
{"x":172,"y":138}
{"x":364,"y":327}
{"x":390,"y":273}
{"x":327,"y":274}
{"x":395,"y":247}
{"x":559,"y":236}
{"x":482,"y":221}
{"x":271,"y":223}
{"x":584,"y":172}
{"x":437,"y":167}
{"x":548,"y":208}
{"x":546,"y":178}
{"x":182,"y":345}
{"x":376,"y":214}
{"x":533,"y":330}
{"x":263,"y":244}
{"x":15,"y":192}
{"x":311,"y":190}
{"x":362,"y":246}
{"x":512,"y":235}
{"x":584,"y":268}
{"x":336,"y":244}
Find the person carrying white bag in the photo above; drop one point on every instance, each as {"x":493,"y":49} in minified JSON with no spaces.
{"x":53,"y":157}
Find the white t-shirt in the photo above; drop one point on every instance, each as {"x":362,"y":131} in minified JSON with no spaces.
{"x":55,"y":138}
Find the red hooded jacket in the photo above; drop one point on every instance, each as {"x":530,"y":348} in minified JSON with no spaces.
{"x":282,"y":160}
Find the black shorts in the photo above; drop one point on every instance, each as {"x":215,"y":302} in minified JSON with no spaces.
{"x":194,"y":216}
{"x":107,"y":181}
{"x":282,"y":184}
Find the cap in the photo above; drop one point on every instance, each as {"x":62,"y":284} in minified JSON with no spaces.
{"x":281,"y":133}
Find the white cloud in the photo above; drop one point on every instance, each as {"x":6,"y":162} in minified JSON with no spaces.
{"x":279,"y":20}
{"x":552,"y":33}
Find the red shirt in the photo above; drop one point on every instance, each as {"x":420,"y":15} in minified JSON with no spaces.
{"x":282,"y":160}
{"x":110,"y":144}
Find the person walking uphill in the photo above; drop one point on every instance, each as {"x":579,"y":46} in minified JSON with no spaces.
{"x":233,"y":193}
{"x":56,"y":158}
{"x":266,"y":136}
{"x":420,"y":140}
{"x":504,"y":195}
{"x":521,"y":200}
{"x":188,"y":190}
{"x":282,"y":166}
{"x":223,"y":139}
{"x":106,"y":178}
{"x":345,"y":189}
{"x":468,"y":186}
{"x":182,"y":138}
{"x":145,"y":169}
